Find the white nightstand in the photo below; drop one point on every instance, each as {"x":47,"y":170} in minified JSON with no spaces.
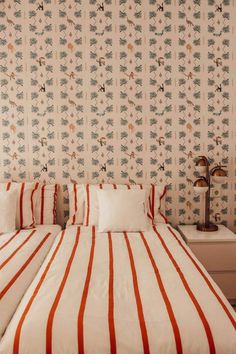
{"x":217,"y":252}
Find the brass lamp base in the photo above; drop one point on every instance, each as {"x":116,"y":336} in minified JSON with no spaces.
{"x":207,"y":228}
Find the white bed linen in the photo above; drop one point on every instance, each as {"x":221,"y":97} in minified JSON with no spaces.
{"x":21,"y":255}
{"x":121,"y":293}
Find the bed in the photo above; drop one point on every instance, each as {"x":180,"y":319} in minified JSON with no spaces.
{"x":21,"y":254}
{"x":121,"y":293}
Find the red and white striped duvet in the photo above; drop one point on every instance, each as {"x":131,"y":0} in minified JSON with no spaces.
{"x":121,"y":293}
{"x":21,"y":255}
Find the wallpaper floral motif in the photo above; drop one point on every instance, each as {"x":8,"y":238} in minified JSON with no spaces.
{"x":120,"y":91}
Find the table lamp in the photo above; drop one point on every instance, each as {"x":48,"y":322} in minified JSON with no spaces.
{"x":203,"y":185}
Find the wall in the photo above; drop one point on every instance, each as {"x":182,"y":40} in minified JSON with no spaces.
{"x":125,"y":91}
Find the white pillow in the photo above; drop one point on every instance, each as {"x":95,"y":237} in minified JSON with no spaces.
{"x":8,"y":202}
{"x":122,"y":210}
{"x":91,"y":200}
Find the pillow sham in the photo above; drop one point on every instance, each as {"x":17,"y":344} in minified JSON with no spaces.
{"x":76,"y":203}
{"x":122,"y":210}
{"x":25,"y":206}
{"x":8,"y":202}
{"x":157,"y":204}
{"x":45,"y":204}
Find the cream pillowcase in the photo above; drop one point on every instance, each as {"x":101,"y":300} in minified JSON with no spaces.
{"x":91,"y":200}
{"x":122,"y":210}
{"x":8,"y":203}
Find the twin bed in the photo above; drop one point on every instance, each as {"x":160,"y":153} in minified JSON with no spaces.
{"x":21,"y":255}
{"x":84,"y":291}
{"x":117,"y":293}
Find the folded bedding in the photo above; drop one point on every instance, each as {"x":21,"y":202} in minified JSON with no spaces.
{"x":124,"y":292}
{"x":22,"y":252}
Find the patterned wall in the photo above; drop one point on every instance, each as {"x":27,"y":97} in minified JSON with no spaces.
{"x":120,"y":90}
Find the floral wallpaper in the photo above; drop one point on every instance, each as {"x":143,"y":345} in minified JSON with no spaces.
{"x":120,"y":91}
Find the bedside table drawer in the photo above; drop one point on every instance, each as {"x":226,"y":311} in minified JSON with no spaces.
{"x":216,"y":256}
{"x":226,"y":282}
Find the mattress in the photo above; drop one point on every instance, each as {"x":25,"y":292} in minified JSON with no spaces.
{"x":121,"y":293}
{"x":21,"y":255}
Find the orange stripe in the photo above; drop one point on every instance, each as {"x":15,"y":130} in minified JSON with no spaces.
{"x":54,"y":204}
{"x":31,"y":300}
{"x":191,"y":295}
{"x":21,"y":204}
{"x":58,"y":296}
{"x":10,"y":239}
{"x":8,"y":186}
{"x":88,"y":205}
{"x":153,"y":201}
{"x":150,"y":207}
{"x":16,"y":276}
{"x":206,"y":279}
{"x":7,"y":260}
{"x":138,"y":298}
{"x":150,"y":204}
{"x":162,"y":215}
{"x":75,"y":203}
{"x":32,"y":204}
{"x":80,"y":329}
{"x":111,"y":299}
{"x":42,"y":205}
{"x":169,"y":309}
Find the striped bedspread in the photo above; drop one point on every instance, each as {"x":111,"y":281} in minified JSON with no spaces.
{"x":21,"y":255}
{"x":121,"y":293}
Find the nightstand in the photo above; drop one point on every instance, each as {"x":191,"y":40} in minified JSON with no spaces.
{"x":217,"y":252}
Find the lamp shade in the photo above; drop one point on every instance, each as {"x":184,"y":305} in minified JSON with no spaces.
{"x":201,"y":166}
{"x":219,"y":175}
{"x":200,"y":185}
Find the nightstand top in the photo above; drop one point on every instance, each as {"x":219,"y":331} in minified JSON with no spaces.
{"x":191,"y":234}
